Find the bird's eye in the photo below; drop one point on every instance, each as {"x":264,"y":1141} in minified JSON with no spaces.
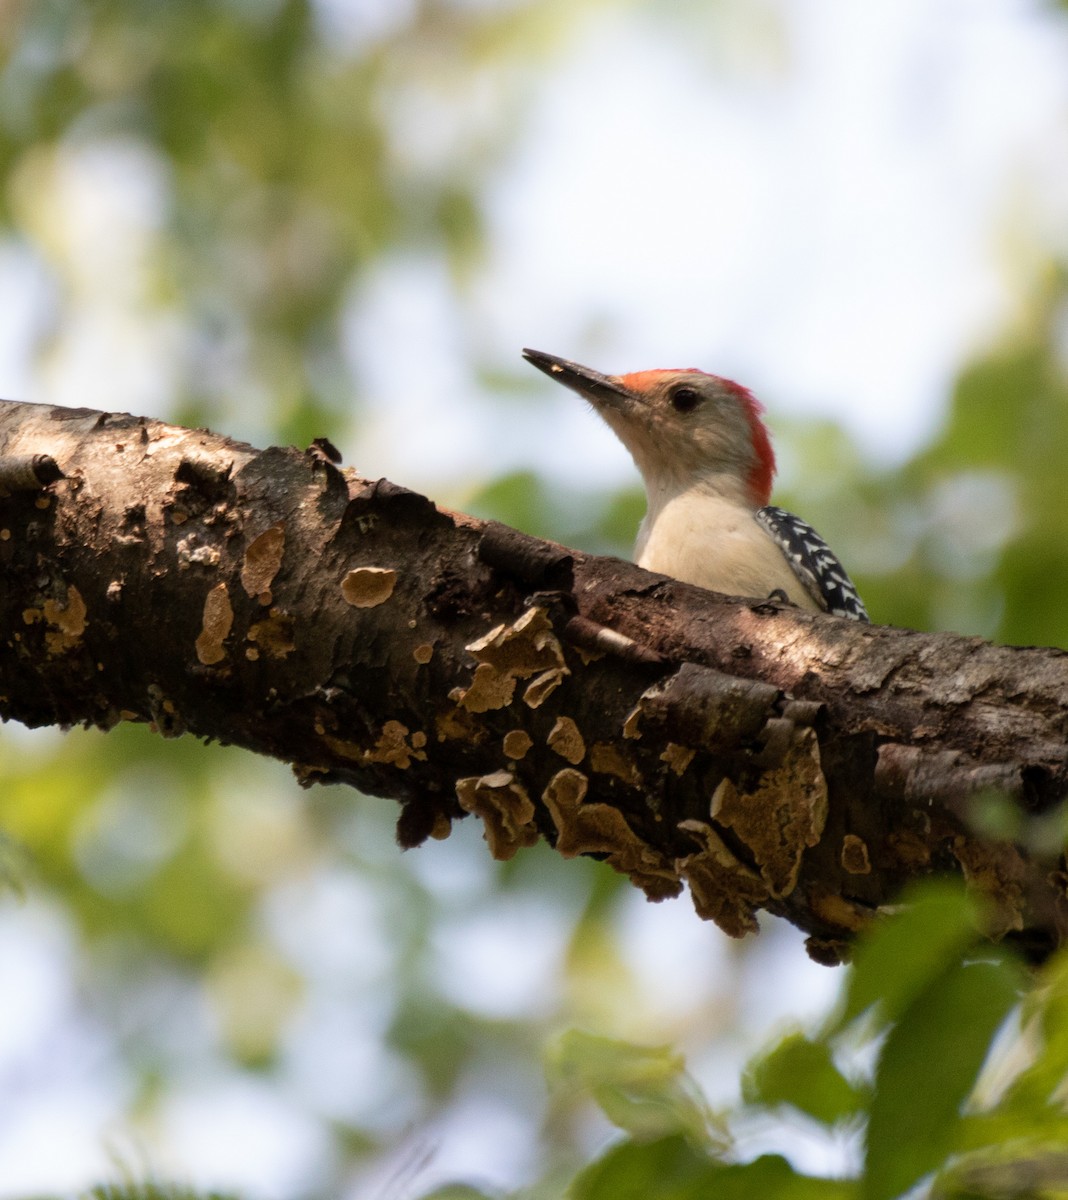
{"x":684,"y":399}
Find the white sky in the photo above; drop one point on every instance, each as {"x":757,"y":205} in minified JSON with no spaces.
{"x":838,"y":224}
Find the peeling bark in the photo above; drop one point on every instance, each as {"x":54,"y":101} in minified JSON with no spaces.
{"x":768,"y":758}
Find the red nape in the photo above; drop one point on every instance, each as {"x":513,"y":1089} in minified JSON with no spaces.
{"x":763,"y":470}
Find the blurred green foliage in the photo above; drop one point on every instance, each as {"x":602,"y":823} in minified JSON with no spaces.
{"x":284,"y":136}
{"x":218,"y":921}
{"x":915,"y":1070}
{"x":598,"y":524}
{"x":972,"y":534}
{"x":643,"y":1090}
{"x":150,"y":1191}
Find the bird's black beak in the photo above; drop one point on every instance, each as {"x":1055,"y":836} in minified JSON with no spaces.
{"x":592,"y":384}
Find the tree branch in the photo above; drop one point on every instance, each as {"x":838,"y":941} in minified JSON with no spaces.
{"x":806,"y":765}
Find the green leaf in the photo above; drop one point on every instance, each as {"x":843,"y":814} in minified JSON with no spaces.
{"x":672,"y":1170}
{"x":1045,"y":1014}
{"x":669,"y":1169}
{"x":150,"y":1190}
{"x":521,"y":499}
{"x":802,"y":1073}
{"x":1014,"y":1172}
{"x":772,"y":1178}
{"x":643,"y":1090}
{"x":456,"y":1191}
{"x":14,"y":865}
{"x":1008,"y":1132}
{"x":904,"y":953}
{"x":928,"y":1066}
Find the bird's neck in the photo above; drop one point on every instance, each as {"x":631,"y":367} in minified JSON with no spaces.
{"x":692,"y":507}
{"x":711,"y":488}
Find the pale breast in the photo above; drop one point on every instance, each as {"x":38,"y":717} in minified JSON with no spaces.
{"x":710,"y":542}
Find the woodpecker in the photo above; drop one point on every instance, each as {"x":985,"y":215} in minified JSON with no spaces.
{"x":706,"y":460}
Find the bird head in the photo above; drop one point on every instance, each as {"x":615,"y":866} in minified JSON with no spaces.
{"x":683,"y":428}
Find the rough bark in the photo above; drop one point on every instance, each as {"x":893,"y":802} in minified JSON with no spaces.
{"x":766,"y":758}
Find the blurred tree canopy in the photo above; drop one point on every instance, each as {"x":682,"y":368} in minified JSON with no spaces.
{"x":225,"y":943}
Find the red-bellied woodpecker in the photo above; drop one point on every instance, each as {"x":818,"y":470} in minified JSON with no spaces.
{"x":707,"y":463}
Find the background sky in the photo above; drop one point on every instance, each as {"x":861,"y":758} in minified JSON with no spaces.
{"x":813,"y":198}
{"x":834,"y":204}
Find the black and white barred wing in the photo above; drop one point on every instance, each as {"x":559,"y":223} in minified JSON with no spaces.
{"x":813,"y":562}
